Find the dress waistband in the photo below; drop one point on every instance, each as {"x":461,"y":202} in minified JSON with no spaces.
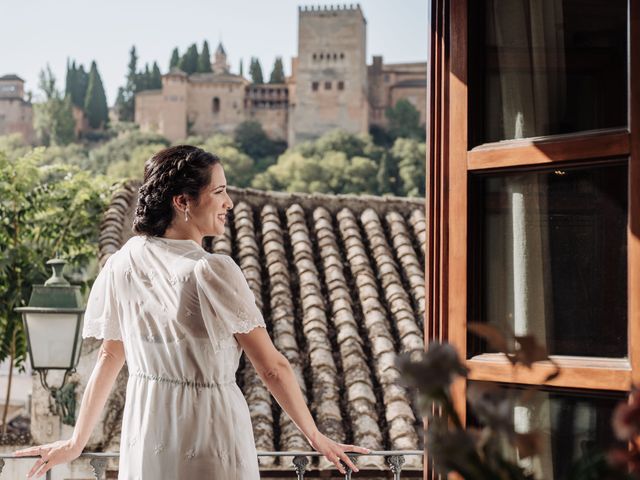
{"x":183,"y":382}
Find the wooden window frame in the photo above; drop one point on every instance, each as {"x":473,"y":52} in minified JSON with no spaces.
{"x":449,"y":165}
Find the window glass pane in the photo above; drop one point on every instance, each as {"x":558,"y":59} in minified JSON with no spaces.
{"x":551,"y":254}
{"x":546,"y":67}
{"x":571,"y":424}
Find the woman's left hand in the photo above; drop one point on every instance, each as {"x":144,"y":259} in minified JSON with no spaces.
{"x":335,"y":452}
{"x":52,"y":454}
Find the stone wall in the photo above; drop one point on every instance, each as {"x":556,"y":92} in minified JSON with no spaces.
{"x":148,"y":110}
{"x":16,"y":116}
{"x":214,"y":106}
{"x":331,"y":75}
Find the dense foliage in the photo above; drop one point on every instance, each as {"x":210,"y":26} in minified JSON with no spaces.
{"x":45,"y":211}
{"x":404,"y":121}
{"x":343,"y":163}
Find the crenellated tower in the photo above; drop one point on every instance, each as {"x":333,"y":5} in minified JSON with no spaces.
{"x":330,"y":73}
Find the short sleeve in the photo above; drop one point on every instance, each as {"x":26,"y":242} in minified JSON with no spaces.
{"x":226,"y":301}
{"x":101,"y":318}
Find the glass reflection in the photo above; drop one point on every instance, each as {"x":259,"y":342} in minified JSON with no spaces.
{"x":553,"y":253}
{"x":542,"y":67}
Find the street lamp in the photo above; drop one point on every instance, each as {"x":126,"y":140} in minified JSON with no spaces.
{"x":53,"y":322}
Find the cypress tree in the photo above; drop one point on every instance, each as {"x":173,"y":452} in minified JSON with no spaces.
{"x":386,"y":176}
{"x":76,"y":84}
{"x":277,"y":74}
{"x":144,"y":79}
{"x":125,"y":102}
{"x":70,"y":81}
{"x":189,"y":61}
{"x":204,"y":60}
{"x":175,"y":59}
{"x":82,"y":83}
{"x":132,"y":71}
{"x":156,"y":77}
{"x":95,"y":104}
{"x":241,"y":68}
{"x":255,"y":71}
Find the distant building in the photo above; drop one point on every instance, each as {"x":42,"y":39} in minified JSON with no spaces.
{"x":16,"y":113}
{"x":330,"y":87}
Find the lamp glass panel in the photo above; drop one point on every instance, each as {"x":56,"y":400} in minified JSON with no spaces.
{"x":51,"y":336}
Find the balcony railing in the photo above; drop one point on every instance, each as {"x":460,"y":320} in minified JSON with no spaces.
{"x":395,"y":459}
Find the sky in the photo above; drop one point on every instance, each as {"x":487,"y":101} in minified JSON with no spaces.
{"x":34,"y":33}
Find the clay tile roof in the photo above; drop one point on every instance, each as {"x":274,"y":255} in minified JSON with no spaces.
{"x":340,"y":282}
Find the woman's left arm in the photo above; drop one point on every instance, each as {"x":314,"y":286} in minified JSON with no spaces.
{"x":276,"y":373}
{"x":110,"y":361}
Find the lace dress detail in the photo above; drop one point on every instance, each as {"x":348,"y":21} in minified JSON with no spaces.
{"x":101,"y":319}
{"x":176,"y":308}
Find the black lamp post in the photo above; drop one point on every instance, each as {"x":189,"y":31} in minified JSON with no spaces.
{"x":53,"y":323}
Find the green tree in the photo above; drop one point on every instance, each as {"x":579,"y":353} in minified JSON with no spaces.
{"x":175,"y":59}
{"x":410,"y":156}
{"x":335,"y":163}
{"x":77,"y":81}
{"x":404,"y":120}
{"x":144,"y":79}
{"x":387,"y":175}
{"x":125,"y":101}
{"x":121,"y":148}
{"x":53,"y":118}
{"x":46,"y":212}
{"x":95,"y":103}
{"x":13,"y":146}
{"x":255,"y":71}
{"x":156,"y":77}
{"x":241,"y":68}
{"x":204,"y":60}
{"x":70,"y":80}
{"x":277,"y":74}
{"x":133,"y":167}
{"x":252,"y":140}
{"x":189,"y":61}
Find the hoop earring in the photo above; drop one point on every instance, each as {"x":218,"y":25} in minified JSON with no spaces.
{"x":186,"y":214}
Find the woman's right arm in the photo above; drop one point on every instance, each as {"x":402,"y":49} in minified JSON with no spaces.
{"x":110,"y":361}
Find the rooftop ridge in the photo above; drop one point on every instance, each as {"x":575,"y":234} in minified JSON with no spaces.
{"x":113,"y":231}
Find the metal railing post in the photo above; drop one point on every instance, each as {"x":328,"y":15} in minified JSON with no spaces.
{"x":99,"y":466}
{"x":395,"y":459}
{"x":300,"y":463}
{"x":395,"y":464}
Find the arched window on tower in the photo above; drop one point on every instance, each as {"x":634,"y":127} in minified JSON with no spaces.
{"x":215,"y":105}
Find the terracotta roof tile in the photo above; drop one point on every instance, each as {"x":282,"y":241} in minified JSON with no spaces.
{"x":340,"y":282}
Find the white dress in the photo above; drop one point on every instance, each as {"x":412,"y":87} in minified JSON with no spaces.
{"x":176,"y":308}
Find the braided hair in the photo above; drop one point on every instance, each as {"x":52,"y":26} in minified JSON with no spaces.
{"x":182,"y":169}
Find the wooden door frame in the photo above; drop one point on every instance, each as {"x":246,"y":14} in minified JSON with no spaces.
{"x":448,"y":164}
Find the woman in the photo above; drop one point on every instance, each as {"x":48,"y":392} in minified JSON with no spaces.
{"x":181,"y":318}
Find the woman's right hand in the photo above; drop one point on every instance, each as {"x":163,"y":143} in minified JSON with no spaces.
{"x":52,"y":454}
{"x":335,"y":452}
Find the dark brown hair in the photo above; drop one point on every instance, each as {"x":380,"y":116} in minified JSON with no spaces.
{"x":182,"y":169}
